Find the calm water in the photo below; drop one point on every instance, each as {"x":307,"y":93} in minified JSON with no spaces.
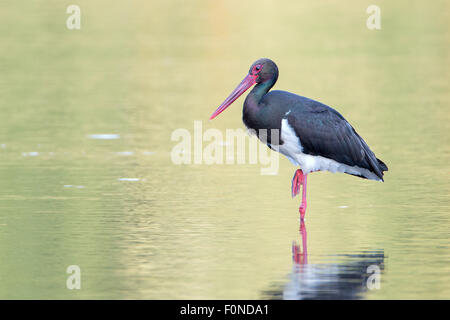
{"x":87,"y":178}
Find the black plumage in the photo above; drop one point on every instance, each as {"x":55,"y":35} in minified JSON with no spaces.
{"x":324,"y":132}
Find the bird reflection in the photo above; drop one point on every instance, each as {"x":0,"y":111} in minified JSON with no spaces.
{"x":300,"y":256}
{"x":345,"y":279}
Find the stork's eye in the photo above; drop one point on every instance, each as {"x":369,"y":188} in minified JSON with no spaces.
{"x":257,"y":68}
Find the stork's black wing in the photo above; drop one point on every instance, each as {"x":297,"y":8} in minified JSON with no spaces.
{"x":324,"y":132}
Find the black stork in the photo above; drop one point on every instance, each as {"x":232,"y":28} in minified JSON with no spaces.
{"x":311,"y":134}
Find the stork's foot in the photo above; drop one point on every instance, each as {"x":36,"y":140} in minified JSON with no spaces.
{"x":297,"y":182}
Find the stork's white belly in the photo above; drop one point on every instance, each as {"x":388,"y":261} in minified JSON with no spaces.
{"x":293,"y":150}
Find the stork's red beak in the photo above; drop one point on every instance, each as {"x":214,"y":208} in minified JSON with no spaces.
{"x":248,"y":81}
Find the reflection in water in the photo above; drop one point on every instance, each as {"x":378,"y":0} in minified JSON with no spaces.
{"x":345,"y":279}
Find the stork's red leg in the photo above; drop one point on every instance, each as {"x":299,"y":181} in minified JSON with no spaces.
{"x":302,"y":208}
{"x":298,"y":180}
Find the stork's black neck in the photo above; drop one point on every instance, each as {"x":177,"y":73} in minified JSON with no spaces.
{"x":253,"y":115}
{"x":253,"y":99}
